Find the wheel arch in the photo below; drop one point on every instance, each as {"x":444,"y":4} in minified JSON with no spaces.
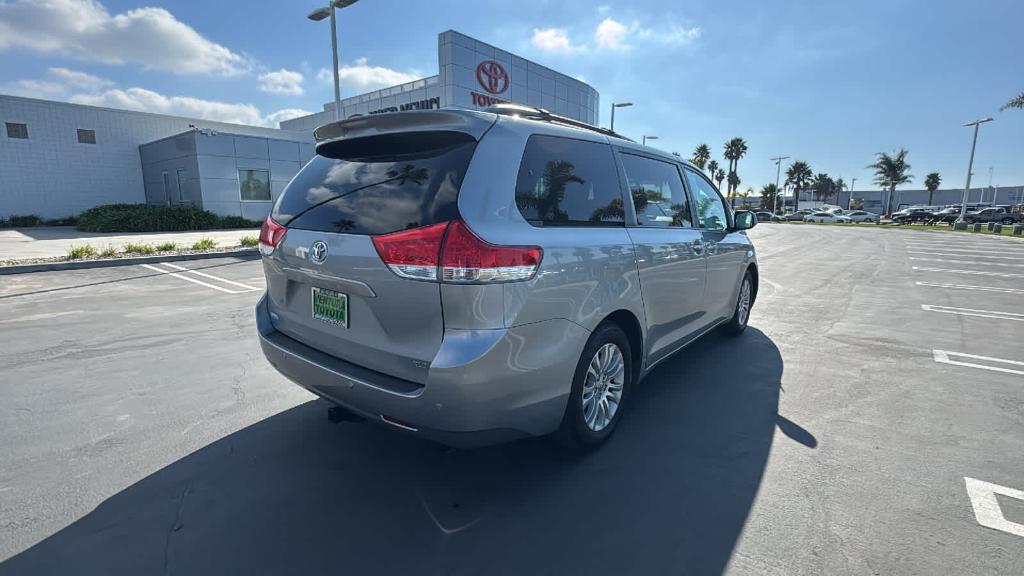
{"x":630,"y":324}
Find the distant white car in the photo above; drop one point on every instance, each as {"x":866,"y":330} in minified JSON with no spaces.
{"x":827,"y":218}
{"x":862,"y":216}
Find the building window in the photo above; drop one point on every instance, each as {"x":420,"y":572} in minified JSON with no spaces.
{"x":254,"y":185}
{"x":15,"y":130}
{"x":86,"y":136}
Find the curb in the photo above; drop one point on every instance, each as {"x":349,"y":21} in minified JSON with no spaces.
{"x":243,"y":253}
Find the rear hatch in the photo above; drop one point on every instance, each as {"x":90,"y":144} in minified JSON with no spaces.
{"x":327,"y":284}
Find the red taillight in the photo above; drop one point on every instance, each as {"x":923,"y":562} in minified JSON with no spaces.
{"x":271,"y":234}
{"x":466,"y":258}
{"x":459,"y":255}
{"x":412,"y":253}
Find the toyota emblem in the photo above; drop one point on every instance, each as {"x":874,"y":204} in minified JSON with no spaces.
{"x":318,"y":252}
{"x":492,"y":76}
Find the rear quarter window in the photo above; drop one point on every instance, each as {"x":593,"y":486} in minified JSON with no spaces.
{"x":566,"y":182}
{"x":378,"y":184}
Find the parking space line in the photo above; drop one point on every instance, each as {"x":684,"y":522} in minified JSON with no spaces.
{"x":974,"y":272}
{"x":212,"y":277}
{"x":970,"y":287}
{"x":965,"y":255}
{"x":973,"y":312}
{"x":986,"y":507}
{"x":943,"y":357}
{"x":192,"y":280}
{"x":965,"y":262}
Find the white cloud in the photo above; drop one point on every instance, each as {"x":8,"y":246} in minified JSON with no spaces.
{"x":78,"y":79}
{"x":58,"y":82}
{"x":281,"y":82}
{"x":149,"y":101}
{"x":553,"y":40}
{"x":615,"y":35}
{"x":151,"y":37}
{"x":365,"y":77}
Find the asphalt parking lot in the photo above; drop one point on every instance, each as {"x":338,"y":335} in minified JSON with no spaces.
{"x":871,"y":421}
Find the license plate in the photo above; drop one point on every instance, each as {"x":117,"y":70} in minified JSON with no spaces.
{"x":330,"y":306}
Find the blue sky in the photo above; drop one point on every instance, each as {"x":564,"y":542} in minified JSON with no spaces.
{"x":827,"y":82}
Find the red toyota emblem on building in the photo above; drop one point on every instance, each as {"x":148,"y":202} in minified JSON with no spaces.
{"x":492,"y":76}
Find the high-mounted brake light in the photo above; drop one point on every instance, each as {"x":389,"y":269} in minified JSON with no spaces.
{"x":452,"y":253}
{"x":271,"y":234}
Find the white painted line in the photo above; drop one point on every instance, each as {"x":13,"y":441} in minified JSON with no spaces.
{"x":969,"y":287}
{"x":986,"y":506}
{"x":966,"y":262}
{"x":192,"y":280}
{"x":211,"y":277}
{"x":965,"y":247}
{"x":974,"y":272}
{"x":967,"y":254}
{"x":972,"y":312}
{"x":943,"y":357}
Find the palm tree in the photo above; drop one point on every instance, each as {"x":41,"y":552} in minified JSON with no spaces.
{"x":734,"y":150}
{"x":798,"y":176}
{"x":712,"y":168}
{"x":840,"y":185}
{"x":890,"y":172}
{"x":823,"y":186}
{"x":719,"y":176}
{"x":931,"y":182}
{"x":1015,"y":102}
{"x":734,"y":181}
{"x":701,"y":155}
{"x":768,"y":194}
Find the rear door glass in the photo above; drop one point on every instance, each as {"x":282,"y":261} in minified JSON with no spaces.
{"x":378,"y":184}
{"x":657,"y":191}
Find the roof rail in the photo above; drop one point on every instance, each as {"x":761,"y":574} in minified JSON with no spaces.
{"x":534,"y":113}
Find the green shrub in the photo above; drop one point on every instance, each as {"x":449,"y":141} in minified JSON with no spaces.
{"x":109,"y":252}
{"x":166,"y":247}
{"x":79,"y":252}
{"x":205,"y":244}
{"x":138,"y":249}
{"x":66,"y":221}
{"x":25,"y":220}
{"x":249,"y":240}
{"x":145,"y":218}
{"x":227,"y":222}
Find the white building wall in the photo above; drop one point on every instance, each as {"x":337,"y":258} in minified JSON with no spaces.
{"x":52,"y":175}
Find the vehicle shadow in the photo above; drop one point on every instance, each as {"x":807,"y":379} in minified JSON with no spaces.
{"x":292,"y":494}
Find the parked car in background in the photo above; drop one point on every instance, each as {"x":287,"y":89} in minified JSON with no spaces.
{"x":999,"y":214}
{"x":410,"y":286}
{"x":913,"y":216}
{"x":764,"y":216}
{"x":827,"y":218}
{"x":797,"y":216}
{"x":946,"y":215}
{"x":858,"y":216}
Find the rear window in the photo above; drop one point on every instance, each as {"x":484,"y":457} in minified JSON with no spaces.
{"x":566,"y":182}
{"x":378,"y":184}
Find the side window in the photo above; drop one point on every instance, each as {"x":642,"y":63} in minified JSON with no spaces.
{"x":711,"y":211}
{"x":566,"y":182}
{"x":657,"y":191}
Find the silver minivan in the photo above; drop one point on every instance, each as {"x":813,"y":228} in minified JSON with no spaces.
{"x":474,"y":277}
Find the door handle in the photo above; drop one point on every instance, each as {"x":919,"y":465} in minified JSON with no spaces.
{"x":711,"y":247}
{"x":698,"y":247}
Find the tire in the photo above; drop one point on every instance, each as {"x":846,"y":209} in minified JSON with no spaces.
{"x":585,"y":426}
{"x":1008,"y":221}
{"x":741,"y":316}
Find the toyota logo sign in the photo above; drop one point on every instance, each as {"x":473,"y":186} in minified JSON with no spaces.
{"x":492,"y":76}
{"x":318,"y":252}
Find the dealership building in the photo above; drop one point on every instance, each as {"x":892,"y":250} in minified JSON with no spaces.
{"x":57,"y":159}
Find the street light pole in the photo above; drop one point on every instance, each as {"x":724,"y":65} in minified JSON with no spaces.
{"x":970,"y":165}
{"x":619,"y":105}
{"x":318,"y":15}
{"x":849,"y":201}
{"x":778,"y":172}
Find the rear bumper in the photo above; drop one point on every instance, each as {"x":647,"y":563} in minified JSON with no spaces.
{"x":483,"y":386}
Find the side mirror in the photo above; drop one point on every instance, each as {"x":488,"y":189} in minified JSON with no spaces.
{"x":744,"y":219}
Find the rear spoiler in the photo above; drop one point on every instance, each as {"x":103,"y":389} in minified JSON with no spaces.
{"x":467,"y":121}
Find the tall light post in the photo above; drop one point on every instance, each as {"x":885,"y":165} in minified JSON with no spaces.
{"x":618,"y":105}
{"x":778,"y":172}
{"x":970,"y":165}
{"x":849,"y":200}
{"x":646,"y":138}
{"x":318,"y":15}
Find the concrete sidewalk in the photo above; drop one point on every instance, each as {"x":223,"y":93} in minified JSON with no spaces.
{"x":49,"y":242}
